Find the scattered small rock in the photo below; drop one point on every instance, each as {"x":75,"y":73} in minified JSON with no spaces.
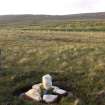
{"x":77,"y":102}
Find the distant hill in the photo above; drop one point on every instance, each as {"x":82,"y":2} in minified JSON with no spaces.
{"x":26,"y":19}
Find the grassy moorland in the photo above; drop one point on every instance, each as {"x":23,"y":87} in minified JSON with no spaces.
{"x":72,"y":52}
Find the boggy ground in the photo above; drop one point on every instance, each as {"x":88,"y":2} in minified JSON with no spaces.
{"x":76,"y":65}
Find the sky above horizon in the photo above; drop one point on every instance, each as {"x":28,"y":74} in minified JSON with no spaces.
{"x":51,"y":7}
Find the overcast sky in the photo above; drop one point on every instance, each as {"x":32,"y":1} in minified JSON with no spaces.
{"x":51,"y":7}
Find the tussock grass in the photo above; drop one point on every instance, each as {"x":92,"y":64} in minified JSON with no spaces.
{"x":74,"y":59}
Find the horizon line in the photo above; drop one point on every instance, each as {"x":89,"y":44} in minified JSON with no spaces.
{"x":51,"y":14}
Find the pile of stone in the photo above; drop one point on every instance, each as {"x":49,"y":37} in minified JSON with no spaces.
{"x":44,"y":91}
